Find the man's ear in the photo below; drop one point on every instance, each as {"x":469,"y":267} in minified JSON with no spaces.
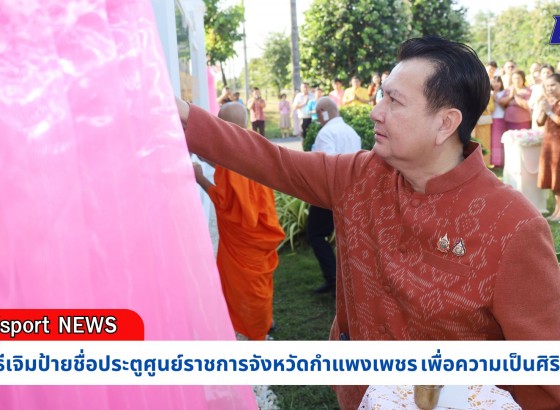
{"x":450,"y":120}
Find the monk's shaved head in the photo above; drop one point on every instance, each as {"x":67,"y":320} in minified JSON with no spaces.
{"x":326,"y":105}
{"x":235,"y":113}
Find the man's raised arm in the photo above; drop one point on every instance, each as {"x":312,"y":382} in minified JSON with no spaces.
{"x":313,"y":177}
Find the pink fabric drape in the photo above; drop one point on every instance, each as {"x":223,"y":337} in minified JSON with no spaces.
{"x":212,"y":100}
{"x":98,"y":203}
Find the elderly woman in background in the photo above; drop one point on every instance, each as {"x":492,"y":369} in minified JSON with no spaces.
{"x":537,"y":94}
{"x":516,"y":103}
{"x":535,"y":74}
{"x":549,"y":166}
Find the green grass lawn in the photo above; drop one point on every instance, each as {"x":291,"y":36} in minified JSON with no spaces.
{"x":554,"y":226}
{"x":301,"y":315}
{"x":272,"y":118}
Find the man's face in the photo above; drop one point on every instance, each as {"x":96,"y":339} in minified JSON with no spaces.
{"x":405,"y":130}
{"x":356,"y":83}
{"x":509,"y":67}
{"x":304,"y":88}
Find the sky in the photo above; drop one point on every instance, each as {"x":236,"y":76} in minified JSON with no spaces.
{"x":269,"y":16}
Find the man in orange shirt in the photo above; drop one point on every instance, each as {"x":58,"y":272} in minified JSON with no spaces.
{"x":430,"y":244}
{"x":249,"y":235}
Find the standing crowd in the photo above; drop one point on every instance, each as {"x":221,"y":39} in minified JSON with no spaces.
{"x":524,"y":102}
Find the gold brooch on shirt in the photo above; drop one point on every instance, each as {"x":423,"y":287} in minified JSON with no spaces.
{"x":443,"y":244}
{"x":459,"y":248}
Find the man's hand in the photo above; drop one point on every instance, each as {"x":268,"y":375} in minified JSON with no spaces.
{"x":198,"y":171}
{"x":183,"y":109}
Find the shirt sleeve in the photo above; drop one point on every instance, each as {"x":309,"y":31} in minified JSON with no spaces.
{"x":316,"y":178}
{"x":526,"y":300}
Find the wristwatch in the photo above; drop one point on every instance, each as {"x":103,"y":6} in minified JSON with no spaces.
{"x":549,"y":114}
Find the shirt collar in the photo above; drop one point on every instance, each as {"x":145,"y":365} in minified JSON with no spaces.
{"x":334,"y":121}
{"x":466,"y":170}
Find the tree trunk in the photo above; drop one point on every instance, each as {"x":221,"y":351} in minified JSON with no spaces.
{"x":296,"y":76}
{"x":224,"y":80}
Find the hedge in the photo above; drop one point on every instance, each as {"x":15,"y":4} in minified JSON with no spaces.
{"x":357,"y":117}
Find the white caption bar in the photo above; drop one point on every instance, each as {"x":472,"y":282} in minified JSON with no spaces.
{"x":278,"y":362}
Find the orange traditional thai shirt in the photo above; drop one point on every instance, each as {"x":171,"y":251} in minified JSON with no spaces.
{"x":392,"y":281}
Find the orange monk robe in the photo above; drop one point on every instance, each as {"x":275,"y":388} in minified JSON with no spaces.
{"x":247,"y":257}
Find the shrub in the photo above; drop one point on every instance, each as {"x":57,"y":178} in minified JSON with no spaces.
{"x":357,"y":117}
{"x":292,"y":215}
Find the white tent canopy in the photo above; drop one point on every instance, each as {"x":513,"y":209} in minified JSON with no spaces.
{"x":193,"y":18}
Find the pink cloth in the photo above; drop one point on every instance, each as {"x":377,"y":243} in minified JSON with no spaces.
{"x":516,"y":114}
{"x":518,"y":125}
{"x":214,"y":107}
{"x":498,"y":127}
{"x":284,"y":107}
{"x":100,"y":206}
{"x":337,"y":96}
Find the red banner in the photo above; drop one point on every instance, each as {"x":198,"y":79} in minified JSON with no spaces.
{"x":70,"y":324}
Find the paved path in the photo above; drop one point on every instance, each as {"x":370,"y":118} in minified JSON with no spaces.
{"x":290,"y":142}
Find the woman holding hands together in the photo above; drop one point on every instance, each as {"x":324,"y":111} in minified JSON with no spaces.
{"x":549,"y":166}
{"x":516,"y":103}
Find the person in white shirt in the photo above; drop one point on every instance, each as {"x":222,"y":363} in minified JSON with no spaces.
{"x":335,"y":137}
{"x":300,"y":106}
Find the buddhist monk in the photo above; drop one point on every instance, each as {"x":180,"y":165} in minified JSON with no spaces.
{"x":249,"y":235}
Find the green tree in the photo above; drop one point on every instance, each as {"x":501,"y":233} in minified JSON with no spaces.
{"x":439,"y":17}
{"x":182,"y":35}
{"x":543,"y":23}
{"x":518,"y":33}
{"x":221,"y":26}
{"x":258,"y":75}
{"x":478,"y":37}
{"x":342,"y":38}
{"x":276,"y":58}
{"x":513,"y":38}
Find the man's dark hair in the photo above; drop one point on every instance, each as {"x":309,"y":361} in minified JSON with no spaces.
{"x":459,"y":79}
{"x":548,"y":66}
{"x":492,"y":64}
